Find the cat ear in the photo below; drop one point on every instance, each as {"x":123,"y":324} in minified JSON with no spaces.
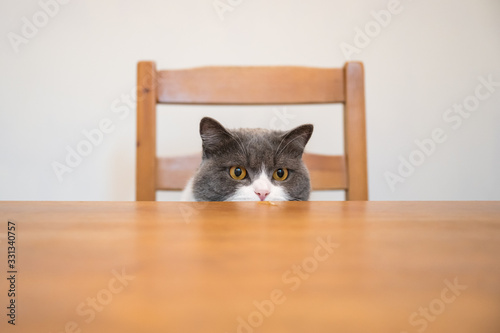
{"x":295,"y":140}
{"x":213,"y":136}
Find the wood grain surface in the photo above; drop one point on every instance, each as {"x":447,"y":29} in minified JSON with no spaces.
{"x":251,"y":85}
{"x":253,"y":267}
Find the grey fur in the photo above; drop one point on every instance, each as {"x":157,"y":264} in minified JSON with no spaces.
{"x":250,"y":148}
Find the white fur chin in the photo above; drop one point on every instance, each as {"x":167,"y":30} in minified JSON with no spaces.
{"x":247,"y":193}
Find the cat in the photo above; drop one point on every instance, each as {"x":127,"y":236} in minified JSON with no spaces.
{"x":250,"y":165}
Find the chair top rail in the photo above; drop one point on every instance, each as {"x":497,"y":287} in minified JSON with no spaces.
{"x":251,"y":85}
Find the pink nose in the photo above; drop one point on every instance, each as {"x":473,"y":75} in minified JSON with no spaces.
{"x":262,"y":194}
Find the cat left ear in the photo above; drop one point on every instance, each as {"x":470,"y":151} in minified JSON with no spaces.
{"x":295,"y":140}
{"x":213,"y":135}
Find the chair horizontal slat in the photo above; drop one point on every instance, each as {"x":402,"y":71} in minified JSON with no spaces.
{"x":251,"y":85}
{"x":327,"y":172}
{"x":173,"y":173}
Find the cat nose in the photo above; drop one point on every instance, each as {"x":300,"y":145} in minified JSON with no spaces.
{"x":262,"y":194}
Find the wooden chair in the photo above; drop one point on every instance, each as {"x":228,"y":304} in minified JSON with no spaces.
{"x":252,"y":86}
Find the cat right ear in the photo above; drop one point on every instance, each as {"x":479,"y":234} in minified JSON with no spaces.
{"x":214,"y":136}
{"x":295,"y":140}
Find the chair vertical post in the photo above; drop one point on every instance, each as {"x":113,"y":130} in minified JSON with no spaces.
{"x":146,"y":132}
{"x":355,"y":132}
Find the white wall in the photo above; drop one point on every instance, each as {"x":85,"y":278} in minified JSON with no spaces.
{"x":80,"y":66}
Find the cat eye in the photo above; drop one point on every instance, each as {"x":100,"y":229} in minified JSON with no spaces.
{"x":280,"y":174}
{"x":237,"y":172}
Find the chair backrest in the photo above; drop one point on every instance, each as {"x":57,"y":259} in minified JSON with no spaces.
{"x":251,"y":86}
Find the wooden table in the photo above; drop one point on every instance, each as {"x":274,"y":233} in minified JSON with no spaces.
{"x":251,"y":267}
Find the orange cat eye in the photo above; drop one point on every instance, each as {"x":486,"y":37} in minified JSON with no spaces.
{"x":237,"y":172}
{"x":280,"y":174}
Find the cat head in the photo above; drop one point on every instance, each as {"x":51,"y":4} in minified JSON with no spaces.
{"x":252,"y":164}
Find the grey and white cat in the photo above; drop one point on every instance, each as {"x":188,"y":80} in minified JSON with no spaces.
{"x":250,"y":165}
